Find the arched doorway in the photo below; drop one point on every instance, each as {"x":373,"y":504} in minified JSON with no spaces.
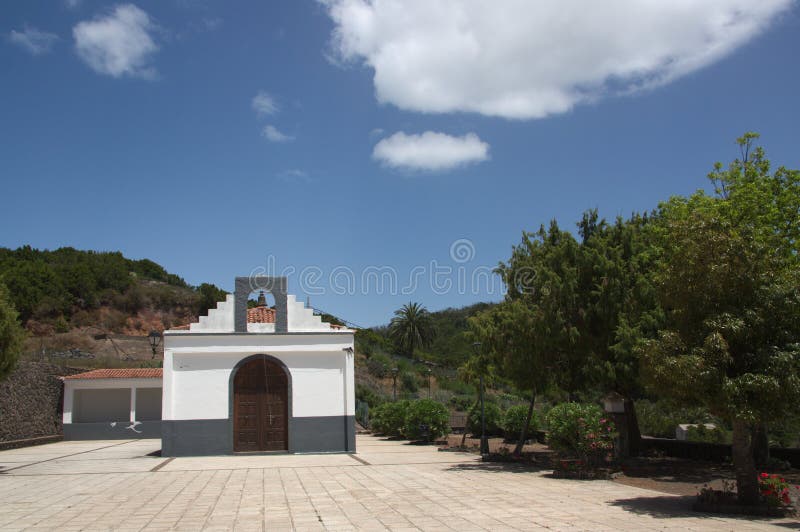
{"x":260,"y":407}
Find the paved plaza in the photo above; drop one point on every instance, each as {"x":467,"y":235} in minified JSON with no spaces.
{"x":388,"y":485}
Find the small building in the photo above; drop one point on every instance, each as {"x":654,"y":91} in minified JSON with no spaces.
{"x":106,"y":404}
{"x":272,"y":379}
{"x":261,"y":379}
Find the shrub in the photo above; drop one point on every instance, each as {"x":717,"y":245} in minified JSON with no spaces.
{"x":408,"y":383}
{"x":774,"y":489}
{"x":493,"y":419}
{"x":461,"y":403}
{"x":390,"y":418}
{"x":659,"y":419}
{"x":580,"y":430}
{"x":701,"y":433}
{"x":456,"y":386}
{"x":426,"y":420}
{"x":368,"y":395}
{"x":377,"y":368}
{"x":514,"y":419}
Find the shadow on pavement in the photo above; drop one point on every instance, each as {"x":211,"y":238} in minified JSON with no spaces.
{"x":669,"y":506}
{"x":496,"y":467}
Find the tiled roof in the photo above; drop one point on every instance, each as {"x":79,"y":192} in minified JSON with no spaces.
{"x":120,"y":373}
{"x":261,"y":315}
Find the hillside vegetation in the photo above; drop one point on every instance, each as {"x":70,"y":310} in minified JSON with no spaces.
{"x":64,"y":289}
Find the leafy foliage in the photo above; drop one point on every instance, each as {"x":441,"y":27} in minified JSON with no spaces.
{"x":729,"y":280}
{"x":411,"y":328}
{"x":580,"y":430}
{"x":660,"y":418}
{"x":408,"y":382}
{"x":426,"y":420}
{"x":54,"y":286}
{"x":390,"y":418}
{"x":451,"y":346}
{"x":11,"y":334}
{"x":514,"y":419}
{"x":209,"y":296}
{"x":493,"y":415}
{"x":701,"y":433}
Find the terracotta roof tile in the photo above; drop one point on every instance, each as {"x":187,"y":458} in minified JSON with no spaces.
{"x":260,"y":315}
{"x":120,"y":373}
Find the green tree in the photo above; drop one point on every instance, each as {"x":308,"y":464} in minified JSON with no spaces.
{"x":520,"y":339}
{"x":542,"y":278}
{"x":729,"y":281}
{"x":592,"y":302}
{"x":210,"y":295}
{"x":11,"y":334}
{"x":411,"y":328}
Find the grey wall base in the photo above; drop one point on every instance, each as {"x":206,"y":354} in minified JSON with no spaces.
{"x":120,"y":430}
{"x":196,"y":437}
{"x":322,"y":434}
{"x":203,"y":437}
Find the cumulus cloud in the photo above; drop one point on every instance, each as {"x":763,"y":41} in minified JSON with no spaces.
{"x":430,"y":151}
{"x":528,"y":59}
{"x":264,"y":104}
{"x":35,"y":41}
{"x":119,"y":43}
{"x":273,"y":134}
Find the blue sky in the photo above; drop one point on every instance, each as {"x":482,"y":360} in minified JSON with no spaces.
{"x":386,"y":135}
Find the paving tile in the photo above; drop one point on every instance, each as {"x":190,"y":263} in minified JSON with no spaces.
{"x":109,"y":485}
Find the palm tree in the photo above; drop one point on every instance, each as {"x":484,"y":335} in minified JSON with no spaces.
{"x":411,"y":328}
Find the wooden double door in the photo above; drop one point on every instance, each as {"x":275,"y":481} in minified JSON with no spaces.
{"x":260,"y":407}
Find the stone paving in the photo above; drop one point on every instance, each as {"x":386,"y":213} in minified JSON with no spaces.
{"x":102,"y":485}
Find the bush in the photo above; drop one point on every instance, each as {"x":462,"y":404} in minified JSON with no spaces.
{"x":580,"y":430}
{"x":659,"y":419}
{"x":368,"y":395}
{"x":377,"y":368}
{"x":701,"y":433}
{"x":408,"y":383}
{"x":514,"y":419}
{"x":456,"y":386}
{"x":390,"y":418}
{"x":461,"y":403}
{"x":493,"y":419}
{"x":426,"y":420}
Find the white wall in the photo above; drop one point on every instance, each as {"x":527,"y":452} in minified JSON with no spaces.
{"x":130,"y":385}
{"x":101,"y":404}
{"x":197,"y":372}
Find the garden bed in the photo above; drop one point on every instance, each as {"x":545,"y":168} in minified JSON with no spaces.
{"x":738,"y":509}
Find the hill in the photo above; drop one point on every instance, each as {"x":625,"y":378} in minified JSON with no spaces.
{"x":64,"y":290}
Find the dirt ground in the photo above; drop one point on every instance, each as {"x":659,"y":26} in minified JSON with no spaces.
{"x":668,"y":475}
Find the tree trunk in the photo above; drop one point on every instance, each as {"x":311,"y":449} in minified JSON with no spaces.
{"x":744,"y":464}
{"x":761,"y":444}
{"x":464,"y":435}
{"x":634,"y":435}
{"x":524,"y":434}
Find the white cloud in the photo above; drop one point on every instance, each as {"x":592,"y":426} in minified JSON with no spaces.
{"x":264,"y":104}
{"x":430,"y":151}
{"x":119,"y":43}
{"x":34,"y":41}
{"x":529,"y":59}
{"x":295,"y":175}
{"x":273,"y":134}
{"x":72,"y":4}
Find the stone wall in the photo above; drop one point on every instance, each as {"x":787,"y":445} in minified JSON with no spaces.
{"x":31,"y":401}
